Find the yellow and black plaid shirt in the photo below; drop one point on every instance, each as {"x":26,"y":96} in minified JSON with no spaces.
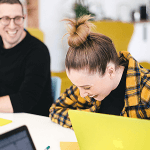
{"x":137,"y":96}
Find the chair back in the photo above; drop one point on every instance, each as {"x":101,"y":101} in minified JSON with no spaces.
{"x":36,"y":33}
{"x":145,"y":65}
{"x":65,"y":81}
{"x":56,"y":87}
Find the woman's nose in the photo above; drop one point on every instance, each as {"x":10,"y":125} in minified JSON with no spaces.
{"x":83,"y":93}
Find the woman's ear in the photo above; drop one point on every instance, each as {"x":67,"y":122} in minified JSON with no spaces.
{"x":111,"y":70}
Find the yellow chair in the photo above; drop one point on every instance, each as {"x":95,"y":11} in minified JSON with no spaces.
{"x":65,"y":82}
{"x":145,"y":65}
{"x":119,"y":32}
{"x":36,"y":33}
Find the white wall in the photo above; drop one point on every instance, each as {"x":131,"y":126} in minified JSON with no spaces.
{"x":116,"y":9}
{"x":51,"y":12}
{"x":139,"y":46}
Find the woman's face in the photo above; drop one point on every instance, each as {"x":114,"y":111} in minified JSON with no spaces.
{"x":92,"y":85}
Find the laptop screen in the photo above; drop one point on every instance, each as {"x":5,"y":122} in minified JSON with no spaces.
{"x":17,"y":139}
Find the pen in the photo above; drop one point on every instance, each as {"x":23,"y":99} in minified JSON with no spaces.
{"x":48,"y":147}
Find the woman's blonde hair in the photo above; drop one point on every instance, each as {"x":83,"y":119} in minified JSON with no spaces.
{"x":88,"y":50}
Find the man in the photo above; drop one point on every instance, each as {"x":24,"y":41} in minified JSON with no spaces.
{"x":25,"y":84}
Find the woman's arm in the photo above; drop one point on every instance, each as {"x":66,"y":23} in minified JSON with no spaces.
{"x":71,"y":99}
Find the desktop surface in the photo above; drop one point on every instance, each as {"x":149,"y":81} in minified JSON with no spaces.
{"x":43,"y":131}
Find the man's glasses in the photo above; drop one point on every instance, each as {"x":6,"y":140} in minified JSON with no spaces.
{"x":18,"y":20}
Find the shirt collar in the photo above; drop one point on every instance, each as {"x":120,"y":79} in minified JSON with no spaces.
{"x":133,"y":80}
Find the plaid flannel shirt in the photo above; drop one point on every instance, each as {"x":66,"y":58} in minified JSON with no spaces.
{"x":137,"y":96}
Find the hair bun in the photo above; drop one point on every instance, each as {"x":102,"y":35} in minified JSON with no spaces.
{"x":78,"y":30}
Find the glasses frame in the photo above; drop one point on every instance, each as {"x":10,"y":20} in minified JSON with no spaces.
{"x":13,"y":20}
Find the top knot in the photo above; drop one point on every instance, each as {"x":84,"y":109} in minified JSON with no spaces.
{"x":78,"y":30}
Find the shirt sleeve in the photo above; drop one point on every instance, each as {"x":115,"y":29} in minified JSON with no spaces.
{"x":36,"y":73}
{"x":145,"y":99}
{"x":71,"y":99}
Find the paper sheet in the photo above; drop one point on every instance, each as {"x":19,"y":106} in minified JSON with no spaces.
{"x":4,"y":121}
{"x":69,"y":146}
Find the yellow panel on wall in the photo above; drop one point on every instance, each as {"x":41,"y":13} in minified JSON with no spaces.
{"x":119,"y":32}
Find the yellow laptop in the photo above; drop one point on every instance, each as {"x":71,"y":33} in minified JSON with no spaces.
{"x":95,"y":131}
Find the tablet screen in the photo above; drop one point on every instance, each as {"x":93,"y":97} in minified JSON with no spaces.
{"x":16,"y":140}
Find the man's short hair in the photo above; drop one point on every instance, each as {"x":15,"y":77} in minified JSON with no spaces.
{"x":12,"y":2}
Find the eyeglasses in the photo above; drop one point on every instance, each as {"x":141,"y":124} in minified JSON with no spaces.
{"x":18,"y":20}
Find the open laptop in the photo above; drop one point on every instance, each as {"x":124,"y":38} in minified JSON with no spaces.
{"x":95,"y":131}
{"x":17,"y":139}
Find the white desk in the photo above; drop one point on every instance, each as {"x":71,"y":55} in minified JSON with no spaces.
{"x":43,"y":131}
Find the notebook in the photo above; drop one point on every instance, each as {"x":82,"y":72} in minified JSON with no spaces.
{"x":4,"y":121}
{"x":69,"y":146}
{"x":95,"y":131}
{"x":17,"y":139}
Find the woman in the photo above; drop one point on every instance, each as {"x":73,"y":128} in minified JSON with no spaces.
{"x":103,"y":81}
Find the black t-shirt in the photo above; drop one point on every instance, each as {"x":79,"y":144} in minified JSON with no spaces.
{"x":114,"y":102}
{"x":25,"y":76}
